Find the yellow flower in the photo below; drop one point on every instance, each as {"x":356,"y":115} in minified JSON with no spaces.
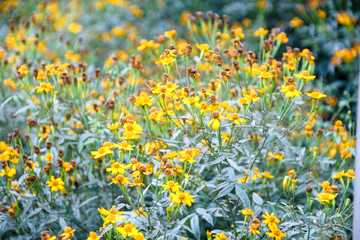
{"x":105,"y":212}
{"x":260,"y":32}
{"x":220,"y":236}
{"x":339,"y":175}
{"x":243,"y":101}
{"x":143,"y":99}
{"x":247,"y":212}
{"x":338,"y":126}
{"x":32,"y":165}
{"x":67,"y":166}
{"x":121,"y":179}
{"x":256,"y":174}
{"x":208,"y":233}
{"x":140,"y":212}
{"x":344,"y":18}
{"x":187,"y":158}
{"x":172,"y":186}
{"x":10,"y":83}
{"x":137,"y":181}
{"x":48,"y":157}
{"x":263,"y":90}
{"x":132,"y":128}
{"x":101,"y":152}
{"x":271,"y":220}
{"x":44,"y":87}
{"x":93,"y":236}
{"x":55,"y":184}
{"x":68,"y":232}
{"x":44,"y":136}
{"x":113,"y":126}
{"x":350,"y":174}
{"x":204,"y":47}
{"x":308,"y":130}
{"x":9,"y":172}
{"x":325,"y":197}
{"x":75,"y":28}
{"x":113,"y":218}
{"x":296,"y":22}
{"x":191,"y":100}
{"x":316,"y":95}
{"x":24,"y":70}
{"x":235,"y":118}
{"x":165,"y":61}
{"x":254,"y":229}
{"x":276,"y":234}
{"x":305,"y":75}
{"x":292,"y":173}
{"x":290,"y":91}
{"x":170,"y":34}
{"x":325,"y":185}
{"x":138,"y":236}
{"x":346,"y":154}
{"x":15,"y":160}
{"x":321,"y":14}
{"x":282,"y":37}
{"x":215,"y":120}
{"x":267,"y":175}
{"x":124,"y":146}
{"x":182,"y":198}
{"x":127,"y":229}
{"x":117,"y":168}
{"x":3,"y":146}
{"x":204,"y":108}
{"x":252,"y":96}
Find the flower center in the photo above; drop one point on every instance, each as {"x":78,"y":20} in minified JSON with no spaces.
{"x":253,"y":94}
{"x":163,"y":89}
{"x":272,"y":219}
{"x":182,"y":196}
{"x":128,"y":229}
{"x":101,"y":150}
{"x":291,"y":88}
{"x":129,"y":127}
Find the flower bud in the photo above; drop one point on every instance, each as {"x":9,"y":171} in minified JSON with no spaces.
{"x":36,"y":149}
{"x":60,"y":153}
{"x":348,"y":201}
{"x":309,"y":189}
{"x":48,"y":145}
{"x":3,"y":164}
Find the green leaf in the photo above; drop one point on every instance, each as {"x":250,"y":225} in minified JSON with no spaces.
{"x":208,"y":218}
{"x":243,"y":196}
{"x":234,"y":165}
{"x":6,"y":101}
{"x":179,"y":225}
{"x":257,"y":199}
{"x":107,"y":229}
{"x":218,"y":160}
{"x":21,"y":110}
{"x":87,"y":201}
{"x":226,"y":190}
{"x":105,"y":197}
{"x":195,"y":226}
{"x":62,"y":223}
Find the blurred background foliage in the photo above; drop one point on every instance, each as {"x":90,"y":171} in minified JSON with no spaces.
{"x":103,"y":28}
{"x":77,"y":30}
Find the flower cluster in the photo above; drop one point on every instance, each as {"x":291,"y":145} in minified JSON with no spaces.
{"x":193,"y":136}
